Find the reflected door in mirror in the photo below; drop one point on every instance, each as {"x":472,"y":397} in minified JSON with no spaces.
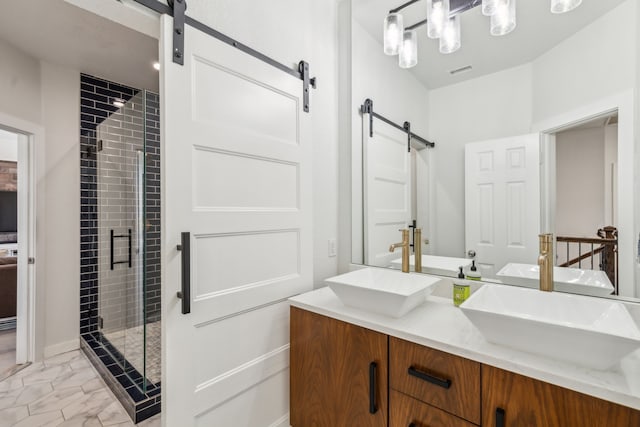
{"x":502,"y":201}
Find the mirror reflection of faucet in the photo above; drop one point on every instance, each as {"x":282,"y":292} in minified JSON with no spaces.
{"x":545,"y":261}
{"x":417,"y":249}
{"x":405,"y":249}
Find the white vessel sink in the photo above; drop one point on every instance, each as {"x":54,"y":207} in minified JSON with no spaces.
{"x":573,"y":280}
{"x":381,"y":290}
{"x":591,"y":332}
{"x":438,"y":265}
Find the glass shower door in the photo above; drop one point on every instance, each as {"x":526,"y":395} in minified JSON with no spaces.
{"x":121,"y":236}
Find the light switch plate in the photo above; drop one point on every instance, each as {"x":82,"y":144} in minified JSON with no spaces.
{"x":333,"y":251}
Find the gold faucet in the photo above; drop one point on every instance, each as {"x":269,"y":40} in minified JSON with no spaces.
{"x":545,"y":261}
{"x":417,"y":249}
{"x":405,"y":249}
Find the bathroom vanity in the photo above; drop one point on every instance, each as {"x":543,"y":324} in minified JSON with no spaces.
{"x":432,"y":367}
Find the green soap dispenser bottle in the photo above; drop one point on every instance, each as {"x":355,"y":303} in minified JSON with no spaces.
{"x":473,"y":273}
{"x":461,"y":290}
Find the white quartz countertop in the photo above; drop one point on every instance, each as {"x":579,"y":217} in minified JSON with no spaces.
{"x":439,"y":324}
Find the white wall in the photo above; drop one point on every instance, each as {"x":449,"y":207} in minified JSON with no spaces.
{"x":48,"y":96}
{"x":493,"y":106}
{"x":61,"y":120}
{"x":8,"y":146}
{"x":19,"y":84}
{"x":580,"y":195}
{"x":594,"y":63}
{"x":396,"y":94}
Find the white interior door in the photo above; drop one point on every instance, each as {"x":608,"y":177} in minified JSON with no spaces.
{"x":236,"y":175}
{"x":502,"y":207}
{"x":387,"y":191}
{"x":25,"y":249}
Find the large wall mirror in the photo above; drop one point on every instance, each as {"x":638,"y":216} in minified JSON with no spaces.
{"x":533,"y":132}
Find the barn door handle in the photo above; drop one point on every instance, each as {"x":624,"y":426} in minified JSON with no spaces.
{"x":185,"y":293}
{"x":440,"y":382}
{"x":373,"y":367}
{"x":500,"y":416}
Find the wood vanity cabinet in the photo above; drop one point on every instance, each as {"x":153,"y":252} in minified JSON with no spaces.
{"x":512,"y":400}
{"x":345,"y":375}
{"x":338,"y":373}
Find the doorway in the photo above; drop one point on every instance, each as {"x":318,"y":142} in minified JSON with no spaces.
{"x":586,"y":223}
{"x":16,"y":244}
{"x":620,"y":109}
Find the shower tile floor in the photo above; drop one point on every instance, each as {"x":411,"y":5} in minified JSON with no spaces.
{"x":64,"y":390}
{"x":130,"y":342}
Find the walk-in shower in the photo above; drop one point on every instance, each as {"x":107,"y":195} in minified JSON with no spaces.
{"x":120,"y":238}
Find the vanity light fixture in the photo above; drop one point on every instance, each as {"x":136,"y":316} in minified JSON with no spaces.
{"x":562,"y":6}
{"x":408,"y":56}
{"x":156,"y":66}
{"x":489,"y":7}
{"x":443,"y":23}
{"x":437,"y":13}
{"x":450,"y":38}
{"x":503,"y":20}
{"x":117,"y":102}
{"x":393,"y":33}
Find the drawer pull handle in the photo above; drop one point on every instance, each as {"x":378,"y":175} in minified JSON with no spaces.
{"x":412,"y":425}
{"x":373,"y":367}
{"x":500,"y":416}
{"x":429,"y":378}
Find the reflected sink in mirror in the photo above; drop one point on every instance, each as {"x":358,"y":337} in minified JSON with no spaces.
{"x":572,"y":280}
{"x":382,"y":291}
{"x":438,"y":265}
{"x":591,"y":332}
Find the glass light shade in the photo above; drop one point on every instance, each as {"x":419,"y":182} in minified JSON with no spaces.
{"x":503,"y":21}
{"x":409,"y":50}
{"x":450,"y":38}
{"x":393,"y":29}
{"x":437,"y":14}
{"x":489,"y":7}
{"x":562,"y":6}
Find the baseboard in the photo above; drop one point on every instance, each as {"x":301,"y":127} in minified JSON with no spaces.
{"x":62,"y":347}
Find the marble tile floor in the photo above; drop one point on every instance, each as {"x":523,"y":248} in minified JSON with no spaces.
{"x":7,"y":351}
{"x":64,"y":390}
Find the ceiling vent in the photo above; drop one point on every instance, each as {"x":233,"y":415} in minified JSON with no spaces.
{"x":461,"y":70}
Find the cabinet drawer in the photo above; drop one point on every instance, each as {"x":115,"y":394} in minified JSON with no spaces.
{"x":440,"y":379}
{"x":406,"y":411}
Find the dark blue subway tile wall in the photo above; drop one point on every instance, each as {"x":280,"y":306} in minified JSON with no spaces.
{"x":94,"y":108}
{"x":152,"y":237}
{"x":96,"y":104}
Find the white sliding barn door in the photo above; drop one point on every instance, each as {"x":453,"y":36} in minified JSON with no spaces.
{"x":387,"y":191}
{"x":502,"y":201}
{"x":236,"y":175}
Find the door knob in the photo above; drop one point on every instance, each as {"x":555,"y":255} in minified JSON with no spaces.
{"x":471,"y":253}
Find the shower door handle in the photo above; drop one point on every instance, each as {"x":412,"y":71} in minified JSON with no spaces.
{"x":185,"y":293}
